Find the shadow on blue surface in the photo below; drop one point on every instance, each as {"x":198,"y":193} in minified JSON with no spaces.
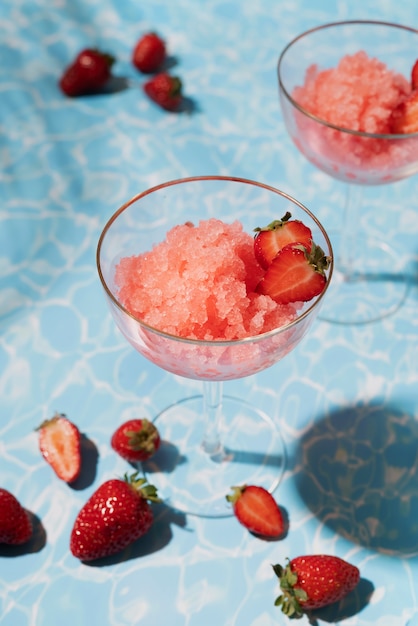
{"x":89,"y":461}
{"x":166,"y":459}
{"x":356,"y":469}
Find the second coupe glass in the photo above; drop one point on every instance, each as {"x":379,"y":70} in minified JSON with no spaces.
{"x":369,"y":281}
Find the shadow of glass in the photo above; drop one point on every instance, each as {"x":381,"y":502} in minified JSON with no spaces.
{"x":166,"y":459}
{"x":356,"y":470}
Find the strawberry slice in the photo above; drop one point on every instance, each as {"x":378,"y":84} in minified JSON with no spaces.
{"x":295,"y":274}
{"x":59,"y":443}
{"x":272,"y":238}
{"x":256,"y":509}
{"x":404,"y":118}
{"x":414,"y":76}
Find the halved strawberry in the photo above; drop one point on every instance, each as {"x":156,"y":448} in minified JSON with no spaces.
{"x":257,"y":510}
{"x":414,"y":76}
{"x":272,"y":238}
{"x":404,"y":118}
{"x":59,"y":443}
{"x":295,"y":274}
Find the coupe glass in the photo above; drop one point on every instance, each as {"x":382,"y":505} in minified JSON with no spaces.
{"x":369,"y":281}
{"x":218,"y":441}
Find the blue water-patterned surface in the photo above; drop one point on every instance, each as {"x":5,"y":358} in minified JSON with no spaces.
{"x":345,"y":399}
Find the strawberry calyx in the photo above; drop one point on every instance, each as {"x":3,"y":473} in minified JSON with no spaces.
{"x":109,"y":58}
{"x":142,"y":487}
{"x":236,"y":494}
{"x":143,"y":439}
{"x":291,"y":597}
{"x":50,"y":420}
{"x":176,"y":86}
{"x":275,"y":224}
{"x":316,"y":257}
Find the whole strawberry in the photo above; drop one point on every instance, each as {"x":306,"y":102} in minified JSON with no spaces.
{"x":270,"y":239}
{"x":60,"y":445}
{"x":149,"y":53}
{"x":88,"y":73}
{"x":136,"y":440}
{"x":115,"y":516}
{"x":15,"y":523}
{"x":311,"y":582}
{"x":164,"y":90}
{"x":256,"y":509}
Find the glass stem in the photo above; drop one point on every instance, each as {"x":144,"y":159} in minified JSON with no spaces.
{"x":212,"y":411}
{"x":351,"y":215}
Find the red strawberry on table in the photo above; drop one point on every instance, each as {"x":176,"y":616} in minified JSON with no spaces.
{"x":136,"y":440}
{"x":59,"y":443}
{"x":15,"y":523}
{"x":272,"y":238}
{"x":149,"y":53}
{"x":88,"y":73}
{"x":257,"y":510}
{"x":164,"y":90}
{"x":404,"y":118}
{"x":295,"y":274}
{"x":115,"y":516}
{"x":311,"y":582}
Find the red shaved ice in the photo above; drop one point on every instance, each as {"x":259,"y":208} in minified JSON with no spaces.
{"x":199,"y":283}
{"x":359,"y":95}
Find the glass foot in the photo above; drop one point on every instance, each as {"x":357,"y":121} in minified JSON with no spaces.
{"x":193,"y":481}
{"x":374,"y":288}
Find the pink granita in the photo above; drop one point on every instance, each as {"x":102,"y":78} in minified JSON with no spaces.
{"x":358,"y":95}
{"x":200,"y":283}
